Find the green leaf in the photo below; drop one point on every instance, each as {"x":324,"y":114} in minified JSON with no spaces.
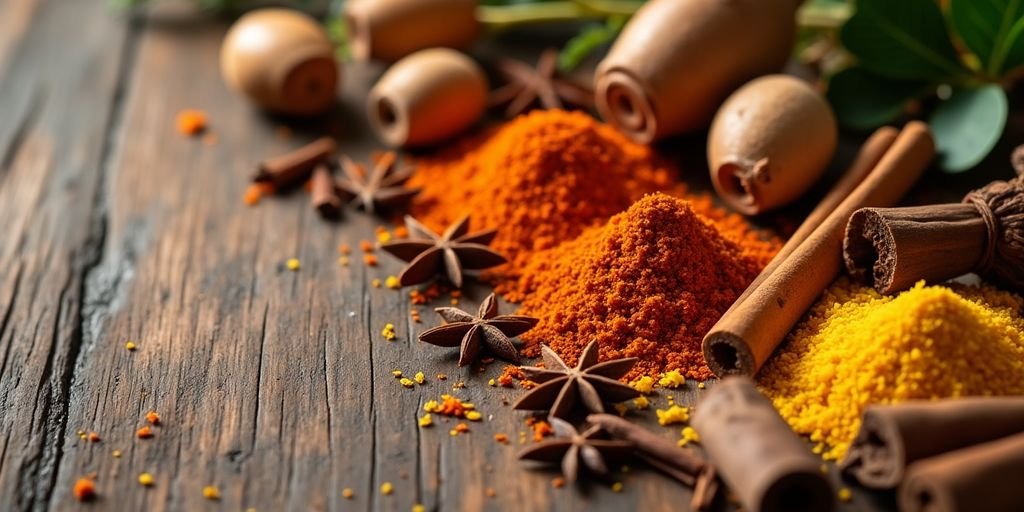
{"x":902,"y":39}
{"x":864,"y":101}
{"x":968,"y":125}
{"x":993,"y":30}
{"x":588,"y":41}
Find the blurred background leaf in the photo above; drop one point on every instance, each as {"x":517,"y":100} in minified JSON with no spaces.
{"x":993,"y":30}
{"x":968,"y":125}
{"x":865,"y":101}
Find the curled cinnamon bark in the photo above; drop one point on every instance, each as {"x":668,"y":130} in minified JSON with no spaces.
{"x":891,"y":437}
{"x":295,"y":167}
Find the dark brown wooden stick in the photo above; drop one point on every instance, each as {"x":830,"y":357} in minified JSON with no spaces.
{"x":323,"y":194}
{"x":663,"y":452}
{"x":295,"y":167}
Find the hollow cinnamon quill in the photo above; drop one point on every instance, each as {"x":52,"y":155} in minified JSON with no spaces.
{"x":893,"y":436}
{"x":323,"y":194}
{"x":745,"y":336}
{"x":762,"y":460}
{"x":893,"y":248}
{"x":985,"y":477}
{"x":295,"y":167}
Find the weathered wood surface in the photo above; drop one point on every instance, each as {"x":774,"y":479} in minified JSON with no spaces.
{"x":275,"y":386}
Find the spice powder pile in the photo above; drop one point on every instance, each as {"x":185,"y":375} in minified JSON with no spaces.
{"x":648,"y":284}
{"x":544,"y":177}
{"x":858,"y":348}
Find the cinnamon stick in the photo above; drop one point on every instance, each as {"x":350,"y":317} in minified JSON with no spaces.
{"x":893,"y":248}
{"x":987,"y":477}
{"x":891,"y":437}
{"x":746,"y":336}
{"x":684,"y":465}
{"x":761,"y":459}
{"x":296,"y":166}
{"x":870,"y":153}
{"x":323,"y":193}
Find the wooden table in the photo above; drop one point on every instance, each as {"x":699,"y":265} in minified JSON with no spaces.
{"x":274,"y":386}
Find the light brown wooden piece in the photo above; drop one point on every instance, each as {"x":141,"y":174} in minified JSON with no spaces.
{"x":389,"y":30}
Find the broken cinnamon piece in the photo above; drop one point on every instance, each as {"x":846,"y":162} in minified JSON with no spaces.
{"x":294,"y":168}
{"x":678,"y":463}
{"x":323,"y":195}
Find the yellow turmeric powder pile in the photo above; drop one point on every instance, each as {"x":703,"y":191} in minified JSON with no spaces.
{"x":858,"y":348}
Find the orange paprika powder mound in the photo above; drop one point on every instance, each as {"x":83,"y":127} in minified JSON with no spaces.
{"x":648,"y":284}
{"x":543,"y":178}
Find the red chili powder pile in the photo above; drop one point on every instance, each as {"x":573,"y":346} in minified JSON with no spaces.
{"x":545,"y":177}
{"x":648,"y":284}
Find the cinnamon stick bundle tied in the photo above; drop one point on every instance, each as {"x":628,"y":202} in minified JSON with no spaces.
{"x":893,"y":248}
{"x":764,"y":462}
{"x":748,"y":333}
{"x":986,"y":477}
{"x":891,"y":437}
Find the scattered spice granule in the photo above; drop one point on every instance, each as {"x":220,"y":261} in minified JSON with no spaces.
{"x":94,"y":437}
{"x":371,"y":261}
{"x":442,"y":376}
{"x":389,"y":332}
{"x":401,"y":232}
{"x":116,"y":454}
{"x":701,"y":385}
{"x":461,"y":428}
{"x":343,"y":261}
{"x":406,"y":382}
{"x":84,"y":489}
{"x":541,"y":429}
{"x":672,"y":379}
{"x":511,"y":373}
{"x":490,"y":492}
{"x":348,"y":493}
{"x":392,"y":282}
{"x":130,"y":346}
{"x":293,"y":264}
{"x":689,"y":436}
{"x":558,"y":482}
{"x":419,"y":378}
{"x":845,"y":495}
{"x":459,"y":385}
{"x":383,"y":237}
{"x":448,"y":406}
{"x":683,"y":274}
{"x":366,"y":246}
{"x":418,"y":507}
{"x":501,"y":438}
{"x":425,"y":421}
{"x":492,"y":383}
{"x":621,"y":409}
{"x":153,"y":418}
{"x":474,"y":415}
{"x":643,"y":384}
{"x":823,"y":469}
{"x":146,"y":479}
{"x":191,"y":122}
{"x":344,"y":249}
{"x":857,"y":347}
{"x":396,"y":373}
{"x":144,"y":432}
{"x":673,"y":415}
{"x":617,"y":487}
{"x":641,"y":402}
{"x":255,"y":192}
{"x":211,"y":493}
{"x":375,"y":283}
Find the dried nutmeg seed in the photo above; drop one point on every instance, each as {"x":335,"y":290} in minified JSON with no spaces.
{"x":282,"y":60}
{"x":769,"y":143}
{"x":391,"y":29}
{"x":676,"y":60}
{"x":427,"y":97}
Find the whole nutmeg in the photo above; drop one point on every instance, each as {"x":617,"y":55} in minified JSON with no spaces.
{"x":427,"y":97}
{"x":391,"y":29}
{"x":769,"y":143}
{"x":282,"y":60}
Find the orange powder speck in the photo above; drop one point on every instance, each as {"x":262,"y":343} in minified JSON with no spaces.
{"x":191,"y":122}
{"x":370,"y":260}
{"x":84,"y":489}
{"x":366,"y":246}
{"x":649,"y":284}
{"x":144,"y":433}
{"x":153,"y":418}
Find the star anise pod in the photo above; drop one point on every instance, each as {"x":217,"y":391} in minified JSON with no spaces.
{"x":561,"y":387}
{"x":380,"y":188}
{"x":488,"y":330}
{"x":529,"y":86}
{"x":573,"y":447}
{"x":448,"y":254}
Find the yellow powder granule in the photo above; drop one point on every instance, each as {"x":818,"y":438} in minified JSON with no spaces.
{"x":858,"y":348}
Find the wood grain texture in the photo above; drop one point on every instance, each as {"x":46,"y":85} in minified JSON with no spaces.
{"x":275,"y":386}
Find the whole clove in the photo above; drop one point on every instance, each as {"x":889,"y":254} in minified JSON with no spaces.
{"x":762,"y":460}
{"x":295,"y":167}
